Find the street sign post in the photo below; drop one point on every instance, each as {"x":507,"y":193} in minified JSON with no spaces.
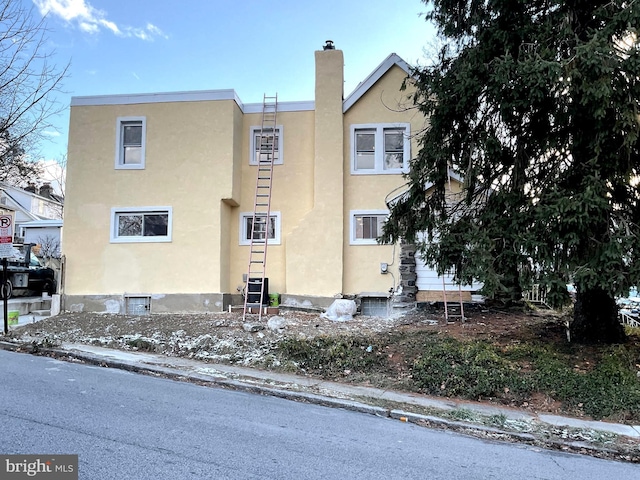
{"x":6,"y":247}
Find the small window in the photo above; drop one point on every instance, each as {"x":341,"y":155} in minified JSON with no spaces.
{"x":262,"y":146}
{"x":130,"y":142}
{"x":148,"y":224}
{"x":259,"y":228}
{"x":380,"y":148}
{"x":366,"y":226}
{"x":137,"y":305}
{"x":374,"y":306}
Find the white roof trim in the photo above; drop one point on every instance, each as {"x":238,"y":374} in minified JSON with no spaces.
{"x":162,"y":97}
{"x":42,"y":223}
{"x":368,"y":82}
{"x":282,"y":107}
{"x":197,"y":96}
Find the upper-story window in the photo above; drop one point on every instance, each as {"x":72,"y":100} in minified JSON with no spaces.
{"x":382,"y":148}
{"x":130,"y":142}
{"x":262,"y":146}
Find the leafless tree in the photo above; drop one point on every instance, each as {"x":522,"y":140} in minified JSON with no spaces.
{"x":29,"y":81}
{"x":49,"y":247}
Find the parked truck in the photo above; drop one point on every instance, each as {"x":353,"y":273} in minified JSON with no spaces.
{"x":26,"y":275}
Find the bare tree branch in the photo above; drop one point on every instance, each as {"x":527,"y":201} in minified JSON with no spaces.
{"x":28,"y":82}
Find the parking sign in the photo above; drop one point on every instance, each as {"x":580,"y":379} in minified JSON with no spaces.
{"x":6,"y":235}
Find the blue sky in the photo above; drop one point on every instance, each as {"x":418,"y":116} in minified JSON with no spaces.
{"x":252,"y":46}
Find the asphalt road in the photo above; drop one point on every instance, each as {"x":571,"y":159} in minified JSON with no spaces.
{"x":129,"y":426}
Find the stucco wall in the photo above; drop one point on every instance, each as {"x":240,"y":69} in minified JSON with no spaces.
{"x":197,"y":162}
{"x":314,"y":249}
{"x":189,"y":169}
{"x":383,"y":103}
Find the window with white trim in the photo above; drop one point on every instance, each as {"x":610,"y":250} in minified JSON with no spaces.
{"x":130,"y":142}
{"x":141,"y":224}
{"x":366,"y":226}
{"x":260,"y":146}
{"x":383,"y":148}
{"x":259,"y":229}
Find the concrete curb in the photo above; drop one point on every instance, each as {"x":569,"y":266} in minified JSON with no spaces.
{"x":251,"y":384}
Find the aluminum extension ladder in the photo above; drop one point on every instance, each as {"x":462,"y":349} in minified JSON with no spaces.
{"x":261,"y":227}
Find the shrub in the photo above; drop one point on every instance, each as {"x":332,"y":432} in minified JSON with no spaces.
{"x":469,"y":370}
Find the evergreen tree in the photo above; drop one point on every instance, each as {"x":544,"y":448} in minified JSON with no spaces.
{"x":536,"y":105}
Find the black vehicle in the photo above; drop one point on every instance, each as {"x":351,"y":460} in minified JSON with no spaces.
{"x":26,"y":275}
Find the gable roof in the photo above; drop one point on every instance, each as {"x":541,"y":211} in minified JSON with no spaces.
{"x":13,"y":203}
{"x":376,"y":75}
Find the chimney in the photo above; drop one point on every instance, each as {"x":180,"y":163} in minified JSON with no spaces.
{"x":46,"y":190}
{"x":31,"y":188}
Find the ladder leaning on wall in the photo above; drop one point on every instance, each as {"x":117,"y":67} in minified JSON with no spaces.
{"x":258,"y":230}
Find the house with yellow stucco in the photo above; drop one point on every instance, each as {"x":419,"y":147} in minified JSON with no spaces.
{"x":161,"y":191}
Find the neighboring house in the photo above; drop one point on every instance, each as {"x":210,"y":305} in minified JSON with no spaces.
{"x":161,"y":187}
{"x":45,"y":233}
{"x":37,"y":215}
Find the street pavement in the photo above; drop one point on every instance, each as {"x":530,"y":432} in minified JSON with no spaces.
{"x":516,"y":425}
{"x":124,"y":425}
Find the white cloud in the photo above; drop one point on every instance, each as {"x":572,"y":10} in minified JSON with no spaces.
{"x":51,"y":133}
{"x":92,"y":20}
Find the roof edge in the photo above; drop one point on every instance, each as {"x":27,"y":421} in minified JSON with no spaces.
{"x":367,"y":83}
{"x":160,"y":97}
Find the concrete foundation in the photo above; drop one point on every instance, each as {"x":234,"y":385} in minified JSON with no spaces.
{"x":159,"y":303}
{"x":187,"y":303}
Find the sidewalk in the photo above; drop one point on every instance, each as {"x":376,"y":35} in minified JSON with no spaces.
{"x":479,"y":419}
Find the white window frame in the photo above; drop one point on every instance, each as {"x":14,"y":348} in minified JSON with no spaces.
{"x":379,"y":129}
{"x":253,"y":146}
{"x":244,"y":240}
{"x":352,"y":225}
{"x":120,"y":165}
{"x":116,"y":211}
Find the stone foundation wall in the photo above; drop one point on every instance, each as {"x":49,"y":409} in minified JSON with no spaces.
{"x":408,"y":274}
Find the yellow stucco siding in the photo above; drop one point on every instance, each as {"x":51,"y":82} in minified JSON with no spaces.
{"x":188,"y":169}
{"x":197,"y":163}
{"x":292,"y":194}
{"x":314,"y":249}
{"x":382,"y":103}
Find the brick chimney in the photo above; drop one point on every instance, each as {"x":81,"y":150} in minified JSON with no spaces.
{"x":46,"y":190}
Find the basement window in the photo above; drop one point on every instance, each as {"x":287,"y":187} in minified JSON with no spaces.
{"x":139,"y":305}
{"x":374,"y":306}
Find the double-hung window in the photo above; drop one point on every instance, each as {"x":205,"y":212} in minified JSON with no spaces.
{"x":262,"y":146}
{"x":141,"y":224}
{"x":130,"y":142}
{"x":259,"y":228}
{"x":383,"y":148}
{"x":366,"y":226}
